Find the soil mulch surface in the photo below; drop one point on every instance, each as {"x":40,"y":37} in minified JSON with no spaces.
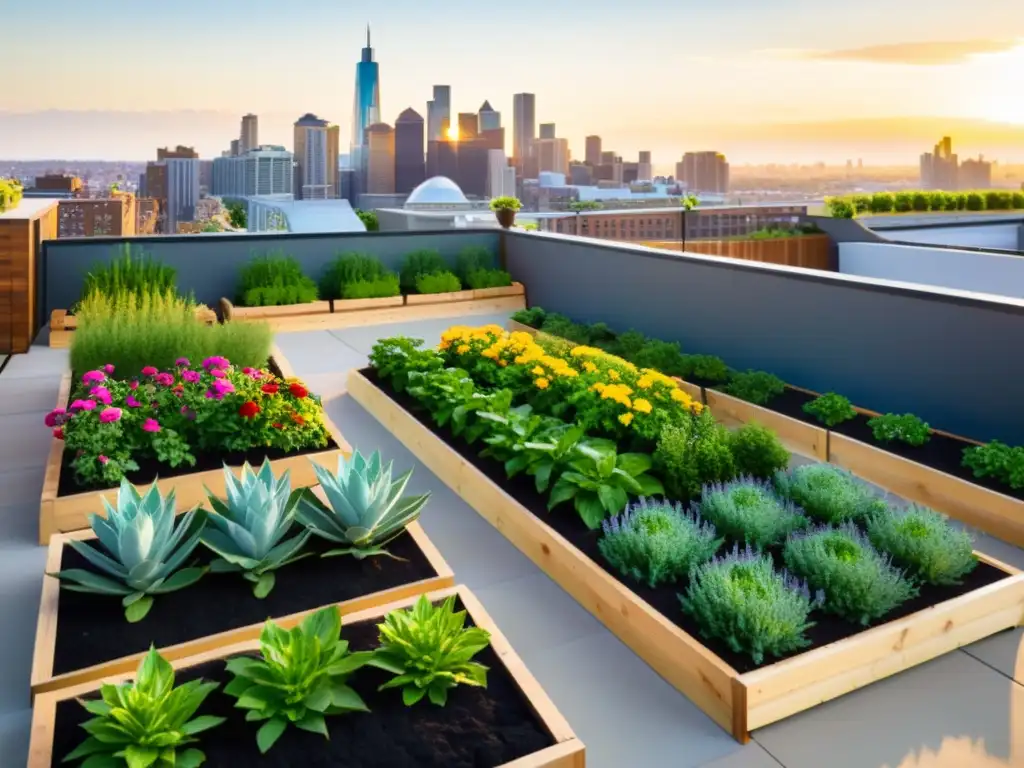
{"x":827,"y":629}
{"x":92,"y":629}
{"x":478,"y":728}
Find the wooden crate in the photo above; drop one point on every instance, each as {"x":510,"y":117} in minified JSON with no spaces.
{"x":738,"y":702}
{"x":22,"y":229}
{"x":280,"y":318}
{"x":797,"y":436}
{"x":63,"y":325}
{"x":353,"y":305}
{"x":414,"y":299}
{"x":567,"y":751}
{"x":61,"y":514}
{"x":43,"y":678}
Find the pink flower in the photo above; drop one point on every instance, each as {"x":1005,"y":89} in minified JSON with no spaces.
{"x":182,"y":362}
{"x":217,"y":373}
{"x":164,"y":379}
{"x":188,"y":413}
{"x":108,"y":415}
{"x":100,"y":394}
{"x":219,"y":388}
{"x":131,"y":402}
{"x":192,"y":377}
{"x":108,"y":369}
{"x":102,"y":459}
{"x":216,"y":362}
{"x":82,"y":405}
{"x":90,"y":376}
{"x":151,"y":425}
{"x":149,"y":370}
{"x":134,"y":384}
{"x":255,"y":374}
{"x":55,"y":418}
{"x":59,"y":433}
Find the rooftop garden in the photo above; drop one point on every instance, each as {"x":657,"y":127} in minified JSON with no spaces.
{"x":10,"y":194}
{"x":924,"y":201}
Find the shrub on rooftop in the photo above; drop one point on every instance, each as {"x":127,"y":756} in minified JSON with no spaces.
{"x":423,"y":262}
{"x":357,"y":276}
{"x":757,"y":451}
{"x":273,"y":280}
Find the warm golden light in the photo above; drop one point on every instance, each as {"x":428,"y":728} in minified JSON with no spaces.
{"x":453,"y":133}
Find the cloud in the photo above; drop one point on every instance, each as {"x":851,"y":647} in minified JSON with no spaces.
{"x":917,"y":54}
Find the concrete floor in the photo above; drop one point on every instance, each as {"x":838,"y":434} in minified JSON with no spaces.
{"x":963,"y":710}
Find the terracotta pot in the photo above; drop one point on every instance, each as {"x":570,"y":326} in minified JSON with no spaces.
{"x":506,"y":217}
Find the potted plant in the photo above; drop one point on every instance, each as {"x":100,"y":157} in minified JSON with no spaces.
{"x":505,"y":209}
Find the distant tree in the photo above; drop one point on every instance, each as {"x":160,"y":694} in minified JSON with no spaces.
{"x":689,"y":202}
{"x":585,"y":205}
{"x":369,"y":219}
{"x":237,"y":215}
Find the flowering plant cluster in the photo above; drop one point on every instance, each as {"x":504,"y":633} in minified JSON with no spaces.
{"x":170,"y":416}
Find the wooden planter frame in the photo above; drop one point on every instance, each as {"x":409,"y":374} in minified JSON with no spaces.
{"x":43,"y":679}
{"x":797,"y":436}
{"x":478,"y":294}
{"x":567,"y":751}
{"x":279,"y":318}
{"x":64,"y":325}
{"x":61,"y":514}
{"x":739,"y":703}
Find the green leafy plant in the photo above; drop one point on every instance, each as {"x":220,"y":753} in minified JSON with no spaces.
{"x":146,"y":723}
{"x":10,"y":194}
{"x":145,"y":550}
{"x":998,"y":461}
{"x":741,"y":600}
{"x":840,"y":208}
{"x":351,"y":268}
{"x":398,"y":358}
{"x":478,"y":279}
{"x":274,"y":280}
{"x":924,"y":543}
{"x":473,"y":258}
{"x":424,"y":262}
{"x":693,"y":454}
{"x":365,"y":510}
{"x":757,"y":451}
{"x":830,"y":409}
{"x":657,"y":542}
{"x":369,"y":219}
{"x":747,"y":511}
{"x":906,"y":428}
{"x":564,"y":328}
{"x":438,"y":282}
{"x":705,"y":368}
{"x":430,"y":649}
{"x":628,"y":346}
{"x":599,"y":481}
{"x":133,"y":271}
{"x":249,"y":528}
{"x":860,"y":585}
{"x":453,"y":398}
{"x":549,"y":456}
{"x":828,"y":494}
{"x":662,"y":356}
{"x":505,"y":204}
{"x":378,"y":288}
{"x":757,"y":387}
{"x":533,"y":317}
{"x":238,"y":215}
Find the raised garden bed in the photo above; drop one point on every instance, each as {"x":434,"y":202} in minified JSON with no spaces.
{"x":63,"y":325}
{"x":65,"y":507}
{"x":511,"y":723}
{"x":414,"y":299}
{"x":353,"y":305}
{"x":798,"y":435}
{"x":82,"y":637}
{"x":735,"y":693}
{"x":280,"y":318}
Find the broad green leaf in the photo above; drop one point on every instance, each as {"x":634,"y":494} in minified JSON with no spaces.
{"x":411,"y":695}
{"x":137,"y":611}
{"x":200,"y":724}
{"x":264,"y":585}
{"x":269,"y":733}
{"x":139,"y":757}
{"x":650,"y":486}
{"x":612,"y":498}
{"x":345,"y":698}
{"x":634,"y":463}
{"x":90,"y":746}
{"x":590,"y":509}
{"x":314,"y":723}
{"x":438,"y":695}
{"x":562,"y":492}
{"x":542,"y":474}
{"x":190,"y":758}
{"x":93,"y":582}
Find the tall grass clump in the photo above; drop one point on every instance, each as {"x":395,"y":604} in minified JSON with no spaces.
{"x":131,"y":331}
{"x":131,"y":272}
{"x":275,"y":280}
{"x":358,"y":276}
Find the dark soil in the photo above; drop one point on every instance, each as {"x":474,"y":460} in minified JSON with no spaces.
{"x":791,"y":403}
{"x":478,"y":728}
{"x":150,"y":469}
{"x":665,"y":600}
{"x":92,"y":629}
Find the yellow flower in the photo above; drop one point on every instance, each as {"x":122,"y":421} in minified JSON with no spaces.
{"x":645,"y":381}
{"x":538,"y":371}
{"x":613,"y":375}
{"x":599,"y":387}
{"x":463,"y":349}
{"x":589,"y":367}
{"x":626,"y":419}
{"x":542,"y":383}
{"x":681,"y":397}
{"x":641,"y":406}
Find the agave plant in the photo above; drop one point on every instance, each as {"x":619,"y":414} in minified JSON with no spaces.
{"x":367,"y":510}
{"x":251,"y":522}
{"x":146,"y":550}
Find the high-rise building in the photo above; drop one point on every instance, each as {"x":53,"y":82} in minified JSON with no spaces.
{"x":489,"y":119}
{"x":380,"y":159}
{"x":547,"y":130}
{"x":940,"y":167}
{"x":409,"y":152}
{"x":316,"y":170}
{"x":524,"y":125}
{"x":182,"y":192}
{"x":593,"y":153}
{"x":704,"y":172}
{"x":333,"y":154}
{"x":236,"y":148}
{"x":976,"y":174}
{"x":249,"y":137}
{"x":644,"y":169}
{"x":468,"y":126}
{"x":366,"y":111}
{"x":178,"y":153}
{"x":439,"y":113}
{"x":501,"y":177}
{"x":552,"y":155}
{"x":265,"y":170}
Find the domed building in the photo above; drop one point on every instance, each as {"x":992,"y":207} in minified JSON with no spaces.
{"x":438,"y":194}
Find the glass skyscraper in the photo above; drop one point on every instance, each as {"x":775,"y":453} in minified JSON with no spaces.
{"x":366,"y":111}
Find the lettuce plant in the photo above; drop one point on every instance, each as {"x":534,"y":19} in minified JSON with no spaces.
{"x":549,"y":456}
{"x":301,"y":678}
{"x":365,"y":509}
{"x":924,"y":543}
{"x":429,"y":649}
{"x":145,"y":550}
{"x":830,"y":409}
{"x":757,"y":387}
{"x":748,"y":511}
{"x":249,"y":528}
{"x":741,"y":600}
{"x":657,"y":542}
{"x":998,"y":461}
{"x":395,"y":359}
{"x":907,"y":428}
{"x":860,"y":585}
{"x":827,"y":493}
{"x":146,"y":723}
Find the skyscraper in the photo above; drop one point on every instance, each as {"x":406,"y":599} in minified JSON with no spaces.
{"x":489,"y":119}
{"x":366,"y":111}
{"x":409,"y":149}
{"x":644,"y":169}
{"x":940,"y":167}
{"x":468,"y":125}
{"x":547,"y":130}
{"x":439,"y":113}
{"x":704,"y":172}
{"x":380,"y":159}
{"x":593,"y":154}
{"x":313,"y":178}
{"x":524,"y":125}
{"x":249,"y":136}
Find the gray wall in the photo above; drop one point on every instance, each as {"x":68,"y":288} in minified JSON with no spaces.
{"x":209,"y":265}
{"x":950,"y":357}
{"x":977,"y":271}
{"x":1004,"y":236}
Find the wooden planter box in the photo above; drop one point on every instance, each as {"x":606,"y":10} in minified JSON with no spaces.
{"x":516,"y":289}
{"x":43,"y":677}
{"x":797,"y":436}
{"x":352,"y":305}
{"x":63,"y":325}
{"x":415,"y":299}
{"x":739,"y":703}
{"x":60,"y":514}
{"x":567,"y":751}
{"x":280,"y":318}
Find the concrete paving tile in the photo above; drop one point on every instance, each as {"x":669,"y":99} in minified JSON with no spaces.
{"x":22,"y":486}
{"x":363,"y":338}
{"x":312,"y":352}
{"x":30,"y":394}
{"x":751,"y":755}
{"x":31,"y":444}
{"x":935,"y":715}
{"x":19,"y":525}
{"x":41,"y":361}
{"x":15,"y":729}
{"x":20,"y":588}
{"x":622,"y":710}
{"x":1003,"y":652}
{"x":536,"y":614}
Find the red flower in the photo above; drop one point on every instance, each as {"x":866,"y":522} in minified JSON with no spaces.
{"x":269,"y":389}
{"x":277,"y":425}
{"x":58,"y":433}
{"x":298,"y":390}
{"x":248,"y":410}
{"x":298,"y":419}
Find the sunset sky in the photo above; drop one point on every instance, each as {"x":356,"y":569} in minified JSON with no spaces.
{"x":644,"y":74}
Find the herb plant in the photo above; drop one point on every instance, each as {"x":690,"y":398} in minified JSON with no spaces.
{"x":249,"y":528}
{"x":473,"y":258}
{"x":564,"y":328}
{"x":365,"y":510}
{"x":533,"y":317}
{"x":438,"y":282}
{"x":691,"y":455}
{"x":830,"y":409}
{"x":487,"y":278}
{"x":748,"y":511}
{"x":382,"y":287}
{"x":417,"y":263}
{"x":430,"y":650}
{"x":505,"y":203}
{"x":757,"y":451}
{"x":397,"y":358}
{"x":998,"y":461}
{"x":828,"y":494}
{"x":657,"y":542}
{"x":146,"y":549}
{"x":907,"y":428}
{"x":348,"y":269}
{"x":757,"y":387}
{"x":275,"y":280}
{"x":860,"y":585}
{"x":146,"y":723}
{"x":662,"y":356}
{"x":132,"y":272}
{"x":924,"y":543}
{"x":741,"y":600}
{"x":705,"y":368}
{"x":301,"y":678}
